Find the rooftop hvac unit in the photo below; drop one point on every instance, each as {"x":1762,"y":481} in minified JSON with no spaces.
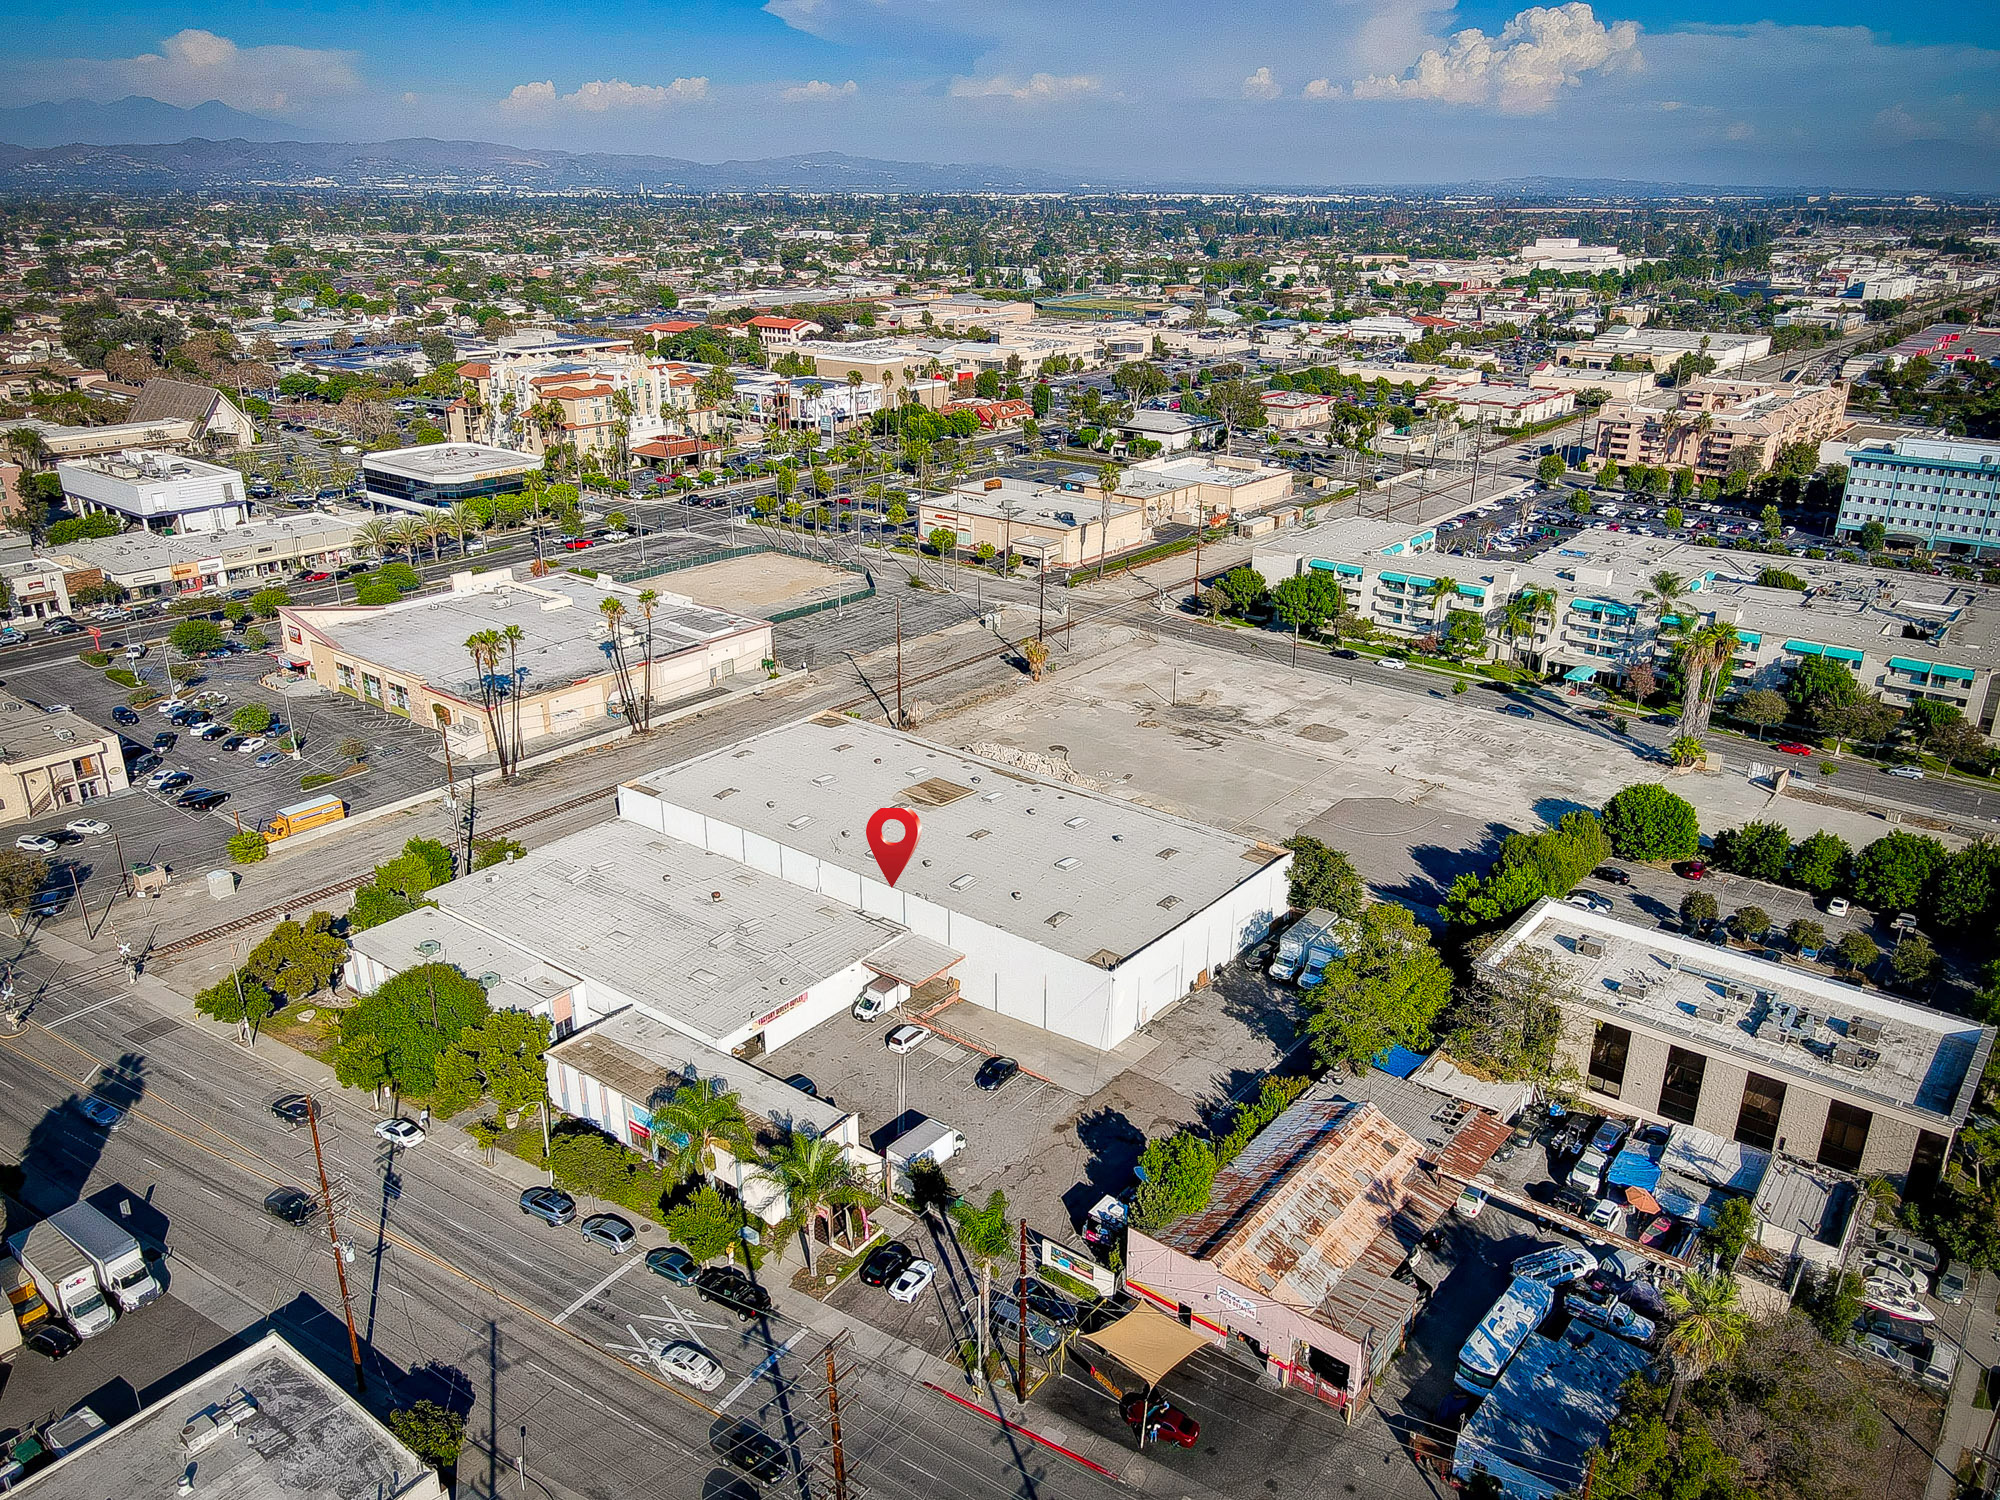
{"x":1864,"y":1029}
{"x":1710,"y":1011}
{"x":1590,"y":947}
{"x":1854,"y":1055}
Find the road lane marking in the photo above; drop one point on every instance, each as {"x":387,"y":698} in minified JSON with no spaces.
{"x":86,"y":1010}
{"x":758,"y":1374}
{"x":563,"y":1316}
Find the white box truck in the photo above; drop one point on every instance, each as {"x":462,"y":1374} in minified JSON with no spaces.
{"x":121,"y":1265}
{"x":1296,"y":940}
{"x":1325,"y":948}
{"x":65,"y":1277}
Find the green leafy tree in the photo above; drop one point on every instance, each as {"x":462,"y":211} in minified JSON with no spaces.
{"x":1806,"y":935}
{"x":705,"y":1223}
{"x":236,"y":997}
{"x":436,"y":1434}
{"x":193,"y":637}
{"x":1913,"y":962}
{"x":1764,"y":708}
{"x":1750,"y":923}
{"x":1551,"y":469}
{"x":267,"y":602}
{"x":1965,"y":891}
{"x":1323,"y":877}
{"x":1274,"y":1097}
{"x":1307,"y":601}
{"x":1176,"y":1175}
{"x":986,"y":1231}
{"x":298,"y":959}
{"x":1386,"y":989}
{"x":1818,"y":688}
{"x":1646,"y":821}
{"x":1697,"y":909}
{"x":1512,"y":1023}
{"x":405,"y":1027}
{"x":251,"y":718}
{"x":21,"y":876}
{"x":495,"y":851}
{"x":248,"y":847}
{"x":1890,"y":874}
{"x":1464,"y":634}
{"x":1530,"y":866}
{"x":1757,"y":850}
{"x":501,"y":1057}
{"x":1818,"y":863}
{"x":1857,"y":950}
{"x":1244,"y":589}
{"x":941,"y":540}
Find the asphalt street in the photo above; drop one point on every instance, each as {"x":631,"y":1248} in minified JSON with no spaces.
{"x":453,"y":1287}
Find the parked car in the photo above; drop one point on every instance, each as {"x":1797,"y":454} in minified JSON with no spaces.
{"x":907,"y":1038}
{"x":135,"y":652}
{"x":1517,"y":711}
{"x":728,"y":1287}
{"x":123,"y":715}
{"x":1165,"y":1422}
{"x":267,"y":760}
{"x":52,"y":1341}
{"x":165,"y":740}
{"x":994,"y":1073}
{"x":911,"y":1281}
{"x":252,"y":745}
{"x":609,"y":1230}
{"x":1793,"y":747}
{"x":1610,"y":875}
{"x":201,"y":799}
{"x":1837,"y":906}
{"x":41,"y":843}
{"x":293,"y":1109}
{"x":233,"y":742}
{"x":1471,"y":1203}
{"x":886,"y":1263}
{"x":212,"y":731}
{"x":85,"y":828}
{"x":674,"y":1263}
{"x":1907,"y":773}
{"x":688,"y":1363}
{"x":400,"y":1132}
{"x":549,"y":1204}
{"x":1588,"y":901}
{"x":167,"y":781}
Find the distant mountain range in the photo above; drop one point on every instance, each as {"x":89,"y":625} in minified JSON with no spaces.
{"x":207,"y":163}
{"x":137,"y":119}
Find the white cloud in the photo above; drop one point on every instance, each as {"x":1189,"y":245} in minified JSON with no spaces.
{"x":817,"y":92}
{"x":1542,"y":51}
{"x":1037,"y":88}
{"x":194,"y":66}
{"x":1321,"y":88}
{"x":1261,"y":85}
{"x":603,"y":95}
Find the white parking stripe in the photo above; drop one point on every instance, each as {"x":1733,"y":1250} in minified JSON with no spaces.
{"x":758,"y":1374}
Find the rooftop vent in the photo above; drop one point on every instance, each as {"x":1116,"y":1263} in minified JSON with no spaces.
{"x":489,"y":979}
{"x":989,"y":797}
{"x":728,"y":791}
{"x":430,"y":947}
{"x":1864,"y":1029}
{"x":1590,"y":947}
{"x":1854,"y":1055}
{"x":962,"y":882}
{"x":980,"y":833}
{"x":1067,"y":862}
{"x":1170,"y":902}
{"x":823,"y":780}
{"x":1074,"y":822}
{"x":1168,"y":853}
{"x":1057,"y":918}
{"x":800,"y":821}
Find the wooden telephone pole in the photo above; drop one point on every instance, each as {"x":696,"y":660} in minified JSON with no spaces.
{"x":339,"y":1250}
{"x":1021,"y":1320}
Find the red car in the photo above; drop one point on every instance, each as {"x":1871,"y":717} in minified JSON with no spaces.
{"x":1165,"y":1422}
{"x":578,"y":544}
{"x":1793,"y":747}
{"x":317,"y":577}
{"x":1692,"y":869}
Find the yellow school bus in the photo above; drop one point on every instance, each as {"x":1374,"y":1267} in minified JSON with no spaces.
{"x":300,"y":816}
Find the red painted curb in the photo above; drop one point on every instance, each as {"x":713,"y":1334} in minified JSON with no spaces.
{"x":1027,"y":1432}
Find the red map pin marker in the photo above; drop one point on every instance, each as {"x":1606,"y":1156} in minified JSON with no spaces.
{"x":892,"y":837}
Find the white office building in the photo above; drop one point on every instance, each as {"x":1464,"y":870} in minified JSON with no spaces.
{"x":158,"y":490}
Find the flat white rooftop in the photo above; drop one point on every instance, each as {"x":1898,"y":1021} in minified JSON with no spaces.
{"x":1077,"y":872}
{"x":444,"y":463}
{"x":1774,"y":1017}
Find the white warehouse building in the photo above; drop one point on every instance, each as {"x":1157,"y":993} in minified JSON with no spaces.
{"x":1075,"y":911}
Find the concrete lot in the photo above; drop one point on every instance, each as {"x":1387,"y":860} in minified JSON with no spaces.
{"x":1265,"y":750}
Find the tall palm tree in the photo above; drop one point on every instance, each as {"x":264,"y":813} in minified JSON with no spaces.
{"x":1517,"y":618}
{"x":649,"y":600}
{"x":484,"y":648}
{"x":1663,"y":592}
{"x":512,"y":637}
{"x":373,"y":537}
{"x":1706,"y":656}
{"x":694,"y":1123}
{"x":815,"y":1174}
{"x":613,"y":611}
{"x":1709,"y":1329}
{"x":1441,"y":591}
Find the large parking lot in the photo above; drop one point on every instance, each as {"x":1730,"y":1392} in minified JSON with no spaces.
{"x":150,"y":828}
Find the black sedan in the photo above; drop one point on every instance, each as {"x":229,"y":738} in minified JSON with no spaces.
{"x":201,"y":799}
{"x":886,"y":1264}
{"x":290,"y":1204}
{"x":748,"y":1447}
{"x":728,"y":1287}
{"x":994,"y":1072}
{"x":52,"y":1341}
{"x":165,"y":740}
{"x":1610,"y":875}
{"x":123,"y":715}
{"x":293,"y":1109}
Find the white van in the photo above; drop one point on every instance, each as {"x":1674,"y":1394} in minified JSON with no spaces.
{"x":881,"y":996}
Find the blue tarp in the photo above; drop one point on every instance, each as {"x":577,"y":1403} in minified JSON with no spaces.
{"x":1635,"y":1166}
{"x":1399,"y":1061}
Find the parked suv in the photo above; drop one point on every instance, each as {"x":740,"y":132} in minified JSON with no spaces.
{"x":728,"y":1287}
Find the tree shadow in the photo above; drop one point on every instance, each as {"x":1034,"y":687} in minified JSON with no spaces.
{"x":1552,"y":809}
{"x":1438,"y":865}
{"x":1114,"y":1144}
{"x":64,"y":1148}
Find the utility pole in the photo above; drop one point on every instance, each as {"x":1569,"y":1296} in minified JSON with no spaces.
{"x":833,"y":1422}
{"x":1041,"y":595}
{"x":339,"y":1250}
{"x":899,"y":663}
{"x":985,"y":1308}
{"x":1021,"y":1321}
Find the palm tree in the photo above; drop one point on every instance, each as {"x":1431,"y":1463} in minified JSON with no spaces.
{"x":1440,"y":591}
{"x":694,"y":1123}
{"x":1709,"y":1329}
{"x":484,"y":648}
{"x":408,"y":535}
{"x":614,"y":618}
{"x":373,"y":537}
{"x":815,"y":1174}
{"x":512,"y":636}
{"x":1517,"y":618}
{"x":460,"y":522}
{"x":1663,"y":592}
{"x":649,"y":600}
{"x":1705,"y":657}
{"x":1108,"y":479}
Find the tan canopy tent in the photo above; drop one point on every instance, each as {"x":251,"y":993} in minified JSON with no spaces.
{"x":1149,"y":1343}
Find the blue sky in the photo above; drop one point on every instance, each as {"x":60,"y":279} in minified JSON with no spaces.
{"x":1839,"y":93}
